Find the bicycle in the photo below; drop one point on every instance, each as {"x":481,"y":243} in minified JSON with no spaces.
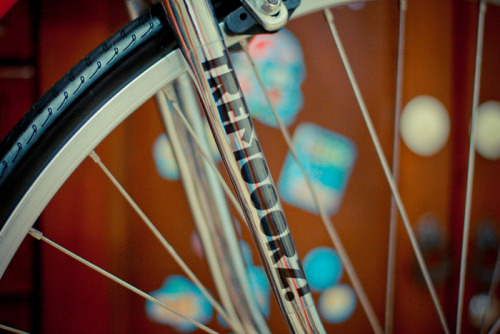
{"x":112,"y":51}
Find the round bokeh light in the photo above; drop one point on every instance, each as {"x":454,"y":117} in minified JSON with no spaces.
{"x":337,"y":304}
{"x":425,"y":125}
{"x":164,"y":159}
{"x":488,"y":130}
{"x":323,"y":268}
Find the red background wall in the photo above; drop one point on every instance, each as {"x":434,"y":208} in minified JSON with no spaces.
{"x":439,"y":62}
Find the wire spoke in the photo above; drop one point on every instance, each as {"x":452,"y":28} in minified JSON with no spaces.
{"x":385,"y":166}
{"x":471,"y":164}
{"x":391,"y":256}
{"x":160,"y":238}
{"x":39,"y":236}
{"x":205,"y":155}
{"x":206,"y":219}
{"x":495,"y":328}
{"x":334,"y":236}
{"x":12,"y":330}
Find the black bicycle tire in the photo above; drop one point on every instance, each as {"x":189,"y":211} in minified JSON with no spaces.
{"x":72,"y":101}
{"x":128,"y":52}
{"x":34,"y":140}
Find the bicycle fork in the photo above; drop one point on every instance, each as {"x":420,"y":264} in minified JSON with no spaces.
{"x":202,"y":44}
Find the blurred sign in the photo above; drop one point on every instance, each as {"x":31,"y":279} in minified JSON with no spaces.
{"x":327,"y":158}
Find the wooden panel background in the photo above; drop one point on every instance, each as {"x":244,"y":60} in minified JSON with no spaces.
{"x":438,"y":61}
{"x":18,"y":91}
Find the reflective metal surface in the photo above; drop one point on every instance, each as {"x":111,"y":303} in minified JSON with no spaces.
{"x":210,"y":212}
{"x":203,"y":46}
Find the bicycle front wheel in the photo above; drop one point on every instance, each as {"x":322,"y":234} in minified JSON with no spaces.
{"x":76,"y":115}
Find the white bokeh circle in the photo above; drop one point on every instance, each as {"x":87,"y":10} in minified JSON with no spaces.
{"x":337,"y":303}
{"x":488,"y":130}
{"x":425,"y":125}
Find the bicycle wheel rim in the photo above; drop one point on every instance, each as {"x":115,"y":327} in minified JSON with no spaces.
{"x":31,"y":186}
{"x":72,"y":145}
